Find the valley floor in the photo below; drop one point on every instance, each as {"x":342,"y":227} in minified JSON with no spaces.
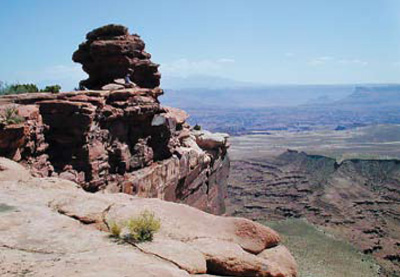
{"x":318,"y":253}
{"x":347,"y":184}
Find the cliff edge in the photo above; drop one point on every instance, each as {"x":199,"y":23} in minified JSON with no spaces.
{"x":114,"y":135}
{"x":50,"y":225}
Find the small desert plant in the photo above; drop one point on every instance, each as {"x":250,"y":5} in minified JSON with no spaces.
{"x":138,"y":229}
{"x":143,"y":227}
{"x":115,"y":229}
{"x":10,"y":116}
{"x":197,"y":127}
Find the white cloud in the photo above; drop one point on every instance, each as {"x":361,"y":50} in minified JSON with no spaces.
{"x":225,"y":60}
{"x":185,"y":67}
{"x":326,"y":58}
{"x":332,"y":60}
{"x":353,"y":62}
{"x":321,"y":60}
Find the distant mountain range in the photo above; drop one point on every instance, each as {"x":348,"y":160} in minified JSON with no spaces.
{"x":201,"y":82}
{"x":219,"y":92}
{"x":215,"y":92}
{"x":373,"y":96}
{"x":241,"y":110}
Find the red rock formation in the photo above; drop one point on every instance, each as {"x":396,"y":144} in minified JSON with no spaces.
{"x":121,"y":140}
{"x":118,"y":139}
{"x":110,"y":53}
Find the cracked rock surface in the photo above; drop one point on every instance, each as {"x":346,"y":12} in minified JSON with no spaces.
{"x":50,"y":226}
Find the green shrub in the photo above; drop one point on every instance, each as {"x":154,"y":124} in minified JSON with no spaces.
{"x":139,"y":229}
{"x":6,"y":89}
{"x":197,"y":127}
{"x":143,"y":227}
{"x":52,"y":89}
{"x":23,"y":88}
{"x":11,"y":116}
{"x":115,"y":229}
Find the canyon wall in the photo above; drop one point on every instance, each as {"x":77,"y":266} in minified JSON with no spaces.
{"x":356,"y":199}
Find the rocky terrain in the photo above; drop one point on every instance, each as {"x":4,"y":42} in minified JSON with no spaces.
{"x":50,"y":226}
{"x":106,"y":154}
{"x":119,"y":138}
{"x":358,"y":200}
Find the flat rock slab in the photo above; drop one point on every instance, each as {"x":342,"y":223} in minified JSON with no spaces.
{"x":55,"y":227}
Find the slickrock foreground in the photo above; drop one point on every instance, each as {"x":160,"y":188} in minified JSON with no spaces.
{"x":50,"y":226}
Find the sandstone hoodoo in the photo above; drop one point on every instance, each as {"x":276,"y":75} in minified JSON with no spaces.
{"x":111,"y":53}
{"x":117,"y":138}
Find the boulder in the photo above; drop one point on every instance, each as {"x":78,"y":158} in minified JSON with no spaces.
{"x":112,"y":87}
{"x":208,"y":140}
{"x":178,"y":115}
{"x":280,"y":261}
{"x":228,"y":259}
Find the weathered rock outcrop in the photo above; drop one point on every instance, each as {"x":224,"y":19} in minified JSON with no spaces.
{"x":119,"y":141}
{"x":111,"y":139}
{"x":110,"y":53}
{"x":50,"y":225}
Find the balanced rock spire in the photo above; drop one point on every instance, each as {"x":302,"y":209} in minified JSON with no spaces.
{"x":110,"y":53}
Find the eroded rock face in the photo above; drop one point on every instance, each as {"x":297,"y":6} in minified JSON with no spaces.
{"x":49,"y":225}
{"x":110,"y":53}
{"x":356,"y":199}
{"x":118,"y":141}
{"x":118,"y":138}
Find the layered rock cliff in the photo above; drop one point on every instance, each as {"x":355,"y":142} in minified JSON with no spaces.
{"x":356,"y":199}
{"x":118,"y":139}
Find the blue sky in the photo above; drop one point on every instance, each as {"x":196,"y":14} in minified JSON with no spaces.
{"x":260,"y":41}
